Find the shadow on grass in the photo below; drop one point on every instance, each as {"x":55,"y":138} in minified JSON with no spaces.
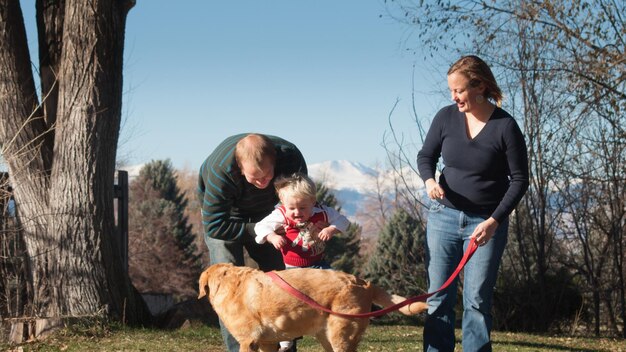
{"x":543,"y":346}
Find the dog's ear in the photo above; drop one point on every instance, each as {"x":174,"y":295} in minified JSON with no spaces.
{"x":203,"y":284}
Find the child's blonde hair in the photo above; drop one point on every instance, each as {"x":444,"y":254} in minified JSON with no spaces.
{"x":296,"y":185}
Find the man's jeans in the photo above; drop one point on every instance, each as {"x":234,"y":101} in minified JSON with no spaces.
{"x":265,"y":255}
{"x":447,"y":237}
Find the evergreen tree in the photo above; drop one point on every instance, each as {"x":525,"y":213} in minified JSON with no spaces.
{"x":342,"y":251}
{"x":326,"y":197}
{"x":162,"y":254}
{"x":162,"y":177}
{"x":397,"y":263}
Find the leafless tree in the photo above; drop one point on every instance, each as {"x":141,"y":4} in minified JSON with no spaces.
{"x":562,"y":65}
{"x":60,"y":149}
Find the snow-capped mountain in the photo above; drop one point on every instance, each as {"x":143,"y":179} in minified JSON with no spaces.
{"x":342,"y":174}
{"x":133,"y":170}
{"x":356,"y":185}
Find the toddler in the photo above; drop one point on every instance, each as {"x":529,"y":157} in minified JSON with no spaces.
{"x":306,"y":225}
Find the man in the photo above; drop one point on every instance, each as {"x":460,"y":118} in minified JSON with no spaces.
{"x":235,"y":188}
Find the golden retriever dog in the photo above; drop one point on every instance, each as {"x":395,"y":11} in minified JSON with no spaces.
{"x":259,"y":313}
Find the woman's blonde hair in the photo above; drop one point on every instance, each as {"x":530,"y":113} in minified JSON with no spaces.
{"x":477,"y":72}
{"x":296,"y":185}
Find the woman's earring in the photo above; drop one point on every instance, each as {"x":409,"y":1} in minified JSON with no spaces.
{"x":480,"y":99}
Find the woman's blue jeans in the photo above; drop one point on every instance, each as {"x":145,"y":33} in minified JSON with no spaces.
{"x":448,"y":234}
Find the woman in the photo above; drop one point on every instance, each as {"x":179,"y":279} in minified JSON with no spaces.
{"x":484,"y":177}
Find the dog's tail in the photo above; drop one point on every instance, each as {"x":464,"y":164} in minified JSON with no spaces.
{"x":384,"y":299}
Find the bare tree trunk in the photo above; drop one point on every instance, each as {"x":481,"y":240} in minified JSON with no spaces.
{"x":50,"y":34}
{"x":618,"y":236}
{"x":64,"y":181}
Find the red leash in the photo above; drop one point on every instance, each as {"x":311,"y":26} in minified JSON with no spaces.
{"x":308,"y":300}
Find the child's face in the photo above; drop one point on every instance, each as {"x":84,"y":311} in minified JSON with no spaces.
{"x":298,"y":209}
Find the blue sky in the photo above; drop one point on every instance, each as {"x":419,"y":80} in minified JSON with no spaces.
{"x":324,"y":74}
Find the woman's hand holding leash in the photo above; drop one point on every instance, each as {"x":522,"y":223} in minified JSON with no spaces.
{"x":484,"y":231}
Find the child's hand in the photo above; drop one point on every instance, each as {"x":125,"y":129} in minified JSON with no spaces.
{"x":277,"y":240}
{"x":327,"y":233}
{"x":319,"y":226}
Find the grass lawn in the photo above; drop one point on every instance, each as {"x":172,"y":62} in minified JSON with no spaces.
{"x":378,"y":338}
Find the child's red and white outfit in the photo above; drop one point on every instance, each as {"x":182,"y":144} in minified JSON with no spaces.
{"x":304,"y":248}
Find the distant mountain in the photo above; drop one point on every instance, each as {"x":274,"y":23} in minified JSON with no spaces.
{"x":133,"y":170}
{"x":354,"y":184}
{"x":342,"y":174}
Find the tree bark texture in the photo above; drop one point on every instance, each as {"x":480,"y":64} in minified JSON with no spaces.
{"x":61,"y":153}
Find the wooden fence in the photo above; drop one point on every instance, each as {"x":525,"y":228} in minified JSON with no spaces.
{"x":121,"y":214}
